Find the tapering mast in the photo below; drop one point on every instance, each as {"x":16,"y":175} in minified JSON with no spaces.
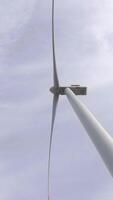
{"x":99,"y":136}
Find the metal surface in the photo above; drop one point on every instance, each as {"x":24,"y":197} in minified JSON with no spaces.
{"x":57,"y":90}
{"x":55,"y":75}
{"x":99,"y":136}
{"x":55,"y":102}
{"x":55,"y":98}
{"x":78,"y":90}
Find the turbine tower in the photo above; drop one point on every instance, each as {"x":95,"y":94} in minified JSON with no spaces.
{"x":99,"y":136}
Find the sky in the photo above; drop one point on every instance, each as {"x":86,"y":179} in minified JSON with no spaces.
{"x":84,"y":52}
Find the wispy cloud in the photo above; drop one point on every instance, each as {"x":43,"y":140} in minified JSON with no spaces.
{"x":84,"y":36}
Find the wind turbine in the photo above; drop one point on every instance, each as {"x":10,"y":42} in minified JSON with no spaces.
{"x":99,"y":136}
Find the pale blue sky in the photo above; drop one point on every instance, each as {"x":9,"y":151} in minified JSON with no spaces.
{"x":84,"y":46}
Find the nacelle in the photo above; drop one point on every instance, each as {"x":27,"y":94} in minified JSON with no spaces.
{"x":77,"y":89}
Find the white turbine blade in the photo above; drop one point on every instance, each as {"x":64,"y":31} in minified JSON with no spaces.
{"x":99,"y":136}
{"x":55,"y":75}
{"x":55,"y":102}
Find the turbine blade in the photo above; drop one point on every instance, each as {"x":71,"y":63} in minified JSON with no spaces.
{"x":55,"y":102}
{"x":55,"y":75}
